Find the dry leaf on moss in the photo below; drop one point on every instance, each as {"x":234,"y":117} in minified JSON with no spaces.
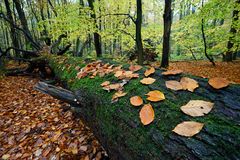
{"x":218,"y":83}
{"x":172,"y":72}
{"x":174,"y":85}
{"x":118,"y":95}
{"x":155,"y":96}
{"x":196,"y":108}
{"x":148,"y":80}
{"x":135,"y":68}
{"x":189,"y":84}
{"x":136,"y":101}
{"x":188,"y":128}
{"x":106,"y":83}
{"x":149,"y":71}
{"x":146,"y":114}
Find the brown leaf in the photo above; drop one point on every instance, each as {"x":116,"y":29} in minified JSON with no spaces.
{"x":135,"y":68}
{"x":189,"y":84}
{"x":118,"y":94}
{"x":149,"y":71}
{"x":106,"y":83}
{"x":174,"y":85}
{"x":218,"y":83}
{"x":188,"y":128}
{"x":196,"y":108}
{"x":146,"y":114}
{"x":6,"y":156}
{"x":172,"y":72}
{"x":155,"y":96}
{"x":148,"y":80}
{"x":136,"y":101}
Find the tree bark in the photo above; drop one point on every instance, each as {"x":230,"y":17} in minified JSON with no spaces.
{"x":167,"y":31}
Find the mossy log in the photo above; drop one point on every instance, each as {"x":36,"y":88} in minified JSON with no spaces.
{"x":118,"y":127}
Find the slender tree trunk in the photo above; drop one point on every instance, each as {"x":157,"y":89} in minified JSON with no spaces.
{"x":205,"y":42}
{"x":139,"y":44}
{"x":233,"y":31}
{"x":23,"y":19}
{"x":13,"y":31}
{"x":167,"y":31}
{"x":96,"y":36}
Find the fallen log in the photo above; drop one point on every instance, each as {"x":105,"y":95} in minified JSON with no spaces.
{"x":118,"y":127}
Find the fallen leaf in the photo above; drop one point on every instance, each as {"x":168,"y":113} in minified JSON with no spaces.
{"x":155,"y":96}
{"x":106,"y":83}
{"x":118,"y":74}
{"x":118,"y":95}
{"x":5,"y":156}
{"x":189,"y":84}
{"x":148,"y":80}
{"x":136,"y":101}
{"x":149,"y":71}
{"x":218,"y":83}
{"x":188,"y":128}
{"x":146,"y":114}
{"x":135,"y":68}
{"x":196,"y":108}
{"x":174,"y":85}
{"x":172,"y":72}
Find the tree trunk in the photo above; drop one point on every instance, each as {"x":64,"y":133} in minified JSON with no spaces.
{"x":233,"y":31}
{"x":96,"y":36}
{"x":139,"y":44}
{"x":23,"y":20}
{"x":13,"y":31}
{"x":205,"y":42}
{"x":119,"y":129}
{"x":167,"y":31}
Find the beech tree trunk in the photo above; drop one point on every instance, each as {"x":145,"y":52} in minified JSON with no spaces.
{"x":96,"y":36}
{"x":233,"y":31}
{"x":119,"y":129}
{"x":167,"y":31}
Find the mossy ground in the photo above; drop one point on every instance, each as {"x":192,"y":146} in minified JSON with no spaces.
{"x":120,"y":119}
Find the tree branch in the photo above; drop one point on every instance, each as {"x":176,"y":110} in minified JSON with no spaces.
{"x":119,"y":14}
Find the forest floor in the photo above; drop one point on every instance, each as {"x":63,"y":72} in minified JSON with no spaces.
{"x":205,"y":69}
{"x":37,"y":126}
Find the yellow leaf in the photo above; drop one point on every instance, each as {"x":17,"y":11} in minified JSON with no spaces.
{"x":155,"y":96}
{"x":188,"y":128}
{"x":149,"y":71}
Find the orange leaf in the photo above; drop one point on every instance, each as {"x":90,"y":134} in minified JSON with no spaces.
{"x":149,"y":71}
{"x":146,"y":114}
{"x":106,"y":83}
{"x":155,"y":96}
{"x":172,"y":72}
{"x":218,"y":83}
{"x":136,"y":101}
{"x":135,"y":68}
{"x":118,"y":74}
{"x":174,"y":85}
{"x":189,"y":84}
{"x":148,"y":80}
